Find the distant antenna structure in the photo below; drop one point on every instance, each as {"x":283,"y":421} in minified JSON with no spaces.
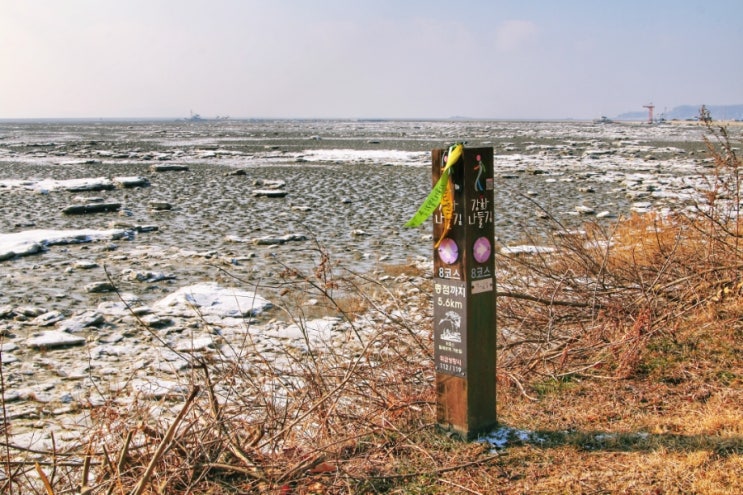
{"x":650,"y":108}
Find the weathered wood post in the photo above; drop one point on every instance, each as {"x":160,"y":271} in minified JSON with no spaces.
{"x":464,"y":295}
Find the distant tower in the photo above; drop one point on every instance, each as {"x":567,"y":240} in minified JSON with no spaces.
{"x":650,"y":108}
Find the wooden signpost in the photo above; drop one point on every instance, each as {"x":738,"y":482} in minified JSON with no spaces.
{"x":464,"y":293}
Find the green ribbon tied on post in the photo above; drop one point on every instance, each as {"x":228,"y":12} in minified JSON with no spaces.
{"x":433,"y":200}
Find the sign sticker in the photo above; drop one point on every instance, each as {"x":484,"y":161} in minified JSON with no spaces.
{"x":448,"y":251}
{"x":481,"y":249}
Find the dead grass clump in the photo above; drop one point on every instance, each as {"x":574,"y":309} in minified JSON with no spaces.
{"x":321,"y":416}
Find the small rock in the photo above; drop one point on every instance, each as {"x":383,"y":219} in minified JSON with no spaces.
{"x":98,"y":287}
{"x":114,"y":350}
{"x":11,"y":395}
{"x":641,"y":206}
{"x":268,"y":241}
{"x":157,"y":321}
{"x":88,"y":199}
{"x":160,"y":205}
{"x":269,"y":193}
{"x":84,"y":264}
{"x":158,"y":389}
{"x":90,"y":208}
{"x":147,"y":276}
{"x":7,"y":358}
{"x":29,"y":311}
{"x":585,"y":210}
{"x":269,"y":183}
{"x":78,"y":323}
{"x":80,"y":185}
{"x":173,"y":366}
{"x":8,"y":347}
{"x":168,"y":168}
{"x":47,"y":319}
{"x":195,"y":345}
{"x":6,"y":311}
{"x":129,"y":182}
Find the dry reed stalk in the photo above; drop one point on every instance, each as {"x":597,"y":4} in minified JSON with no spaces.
{"x":165,"y":443}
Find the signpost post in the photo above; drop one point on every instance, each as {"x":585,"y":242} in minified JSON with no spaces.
{"x":464,"y":293}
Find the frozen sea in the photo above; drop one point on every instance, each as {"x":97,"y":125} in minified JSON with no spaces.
{"x":346,"y":188}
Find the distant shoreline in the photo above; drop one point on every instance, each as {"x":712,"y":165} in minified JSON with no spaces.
{"x":160,"y":120}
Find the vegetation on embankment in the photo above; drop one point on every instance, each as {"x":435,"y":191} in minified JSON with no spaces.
{"x":619,"y":371}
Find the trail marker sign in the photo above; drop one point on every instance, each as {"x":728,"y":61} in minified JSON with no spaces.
{"x":464,"y":293}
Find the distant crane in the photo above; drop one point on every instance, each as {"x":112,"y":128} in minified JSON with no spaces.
{"x":650,"y":108}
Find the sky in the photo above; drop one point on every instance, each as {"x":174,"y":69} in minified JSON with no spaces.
{"x":398,"y":59}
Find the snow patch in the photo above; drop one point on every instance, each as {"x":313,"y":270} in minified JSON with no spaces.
{"x":212,"y":300}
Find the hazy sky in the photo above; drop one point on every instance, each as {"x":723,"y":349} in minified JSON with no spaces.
{"x":366,"y":58}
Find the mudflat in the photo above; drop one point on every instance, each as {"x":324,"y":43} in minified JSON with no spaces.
{"x":187,"y":227}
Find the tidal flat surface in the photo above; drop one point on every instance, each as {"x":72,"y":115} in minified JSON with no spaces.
{"x":347,"y":186}
{"x":183,"y":218}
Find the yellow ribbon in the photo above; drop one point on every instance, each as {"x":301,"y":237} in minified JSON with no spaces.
{"x":447,"y":211}
{"x":433,"y":200}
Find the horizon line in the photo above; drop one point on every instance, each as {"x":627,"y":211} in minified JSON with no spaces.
{"x":371,"y":119}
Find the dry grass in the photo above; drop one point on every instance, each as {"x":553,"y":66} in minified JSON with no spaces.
{"x":619,"y":371}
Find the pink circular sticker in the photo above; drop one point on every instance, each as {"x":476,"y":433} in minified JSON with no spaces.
{"x":481,"y":250}
{"x":448,"y":251}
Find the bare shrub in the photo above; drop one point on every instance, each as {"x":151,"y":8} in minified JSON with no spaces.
{"x":264,"y":420}
{"x":589,"y":306}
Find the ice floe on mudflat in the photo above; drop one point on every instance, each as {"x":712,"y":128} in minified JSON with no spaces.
{"x":212,"y":299}
{"x":33,"y":241}
{"x":315,"y":334}
{"x":382,"y":156}
{"x":527,"y":249}
{"x":45,"y":186}
{"x":50,"y":339}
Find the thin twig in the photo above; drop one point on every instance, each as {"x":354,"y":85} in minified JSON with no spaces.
{"x":123,"y":452}
{"x":549,"y":302}
{"x":45,"y":480}
{"x":6,"y":424}
{"x":86,"y":471}
{"x":232,"y":443}
{"x":436,"y":472}
{"x":165,"y":443}
{"x":459,"y":487}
